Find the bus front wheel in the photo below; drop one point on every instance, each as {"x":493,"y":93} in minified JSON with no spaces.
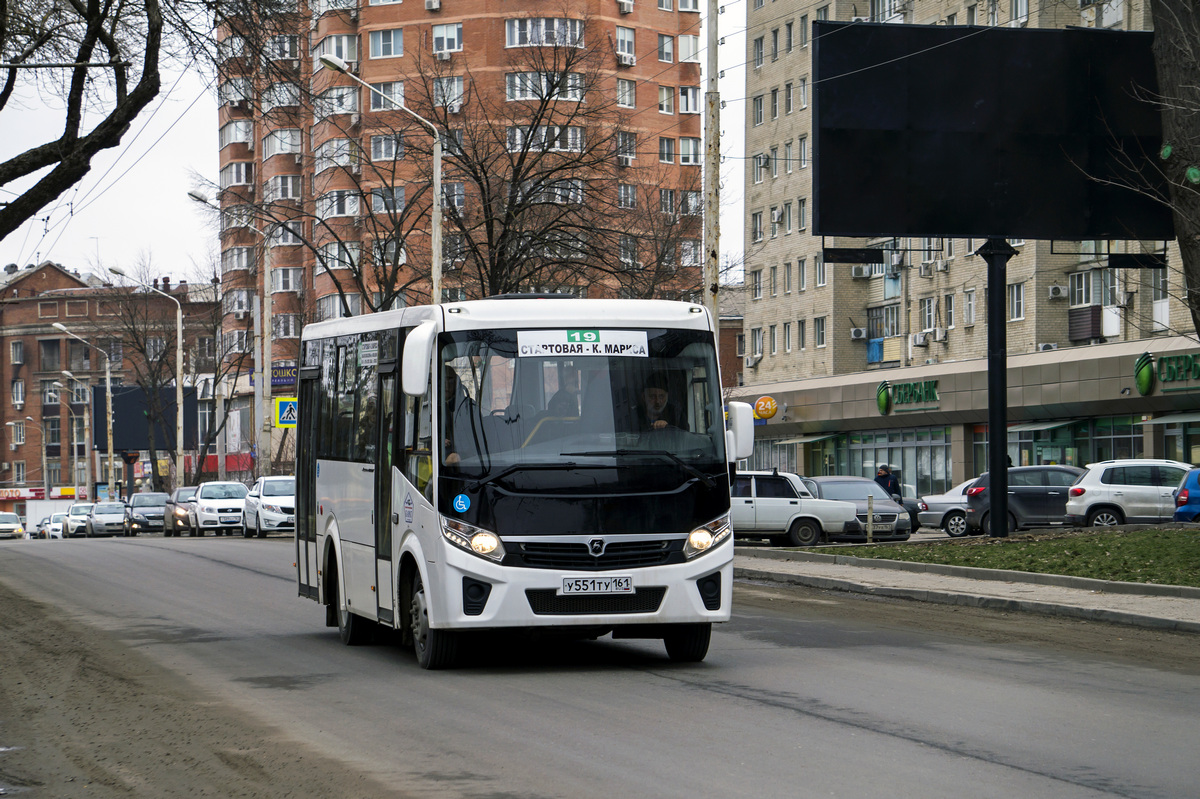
{"x":435,"y":649}
{"x":353,"y":629}
{"x":689,"y":642}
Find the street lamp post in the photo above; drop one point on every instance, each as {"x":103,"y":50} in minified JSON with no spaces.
{"x":87,"y":437}
{"x":262,"y":356}
{"x":178,"y":370}
{"x":435,"y":221}
{"x":59,"y":326}
{"x":72,"y":416}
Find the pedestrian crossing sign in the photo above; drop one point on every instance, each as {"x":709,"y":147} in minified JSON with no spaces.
{"x":286,"y":412}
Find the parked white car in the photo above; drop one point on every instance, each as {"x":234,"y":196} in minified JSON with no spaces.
{"x":1125,"y":491}
{"x":217,"y":506}
{"x":11,"y":526}
{"x":777,"y":505}
{"x":270,"y":507}
{"x":77,"y":519}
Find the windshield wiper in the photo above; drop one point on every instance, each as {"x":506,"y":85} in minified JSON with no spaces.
{"x":620,"y":453}
{"x":516,"y":467}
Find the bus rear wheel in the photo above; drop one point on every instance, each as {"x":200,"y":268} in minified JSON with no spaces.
{"x":435,"y":649}
{"x":689,"y":642}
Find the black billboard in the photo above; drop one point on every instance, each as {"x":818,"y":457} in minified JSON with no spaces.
{"x":927,"y":130}
{"x":131,"y":419}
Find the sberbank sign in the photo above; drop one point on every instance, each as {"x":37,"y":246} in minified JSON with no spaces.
{"x":890,"y":396}
{"x":1174,"y":372}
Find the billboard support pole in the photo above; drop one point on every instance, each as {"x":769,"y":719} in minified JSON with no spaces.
{"x":997,"y":252}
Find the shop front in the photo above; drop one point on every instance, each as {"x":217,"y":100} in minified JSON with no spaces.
{"x":1069,"y":406}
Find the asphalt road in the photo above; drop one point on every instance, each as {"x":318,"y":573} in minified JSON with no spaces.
{"x":803,"y":693}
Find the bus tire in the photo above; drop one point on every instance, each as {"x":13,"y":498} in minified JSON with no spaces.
{"x":354,"y":630}
{"x":688,"y":643}
{"x":435,"y":649}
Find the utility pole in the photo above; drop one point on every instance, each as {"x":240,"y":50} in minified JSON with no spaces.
{"x":712,"y":177}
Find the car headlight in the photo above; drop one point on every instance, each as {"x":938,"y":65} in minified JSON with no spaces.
{"x":273,"y":508}
{"x":475,"y":540}
{"x":707,"y":537}
{"x":181,"y":511}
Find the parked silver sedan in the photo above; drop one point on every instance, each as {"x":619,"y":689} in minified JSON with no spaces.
{"x":106,"y":518}
{"x":947,"y":511}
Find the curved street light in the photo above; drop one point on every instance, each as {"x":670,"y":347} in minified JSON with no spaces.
{"x":59,"y":326}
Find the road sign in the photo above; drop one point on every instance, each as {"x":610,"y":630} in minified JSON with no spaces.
{"x":286,"y":411}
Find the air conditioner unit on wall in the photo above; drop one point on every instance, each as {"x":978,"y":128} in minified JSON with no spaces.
{"x":751,"y":361}
{"x":860,"y":19}
{"x":4,"y":467}
{"x":941,"y":264}
{"x":920,"y":339}
{"x":926,"y":270}
{"x":625,"y":6}
{"x":624,"y":160}
{"x":939,"y":334}
{"x":442,"y":55}
{"x":860,"y":271}
{"x":454,"y":108}
{"x":777,"y":216}
{"x":433,"y":5}
{"x":1058,"y":292}
{"x":858,"y":333}
{"x":626,"y":59}
{"x":239,"y":315}
{"x":1047,"y":347}
{"x":13,"y":447}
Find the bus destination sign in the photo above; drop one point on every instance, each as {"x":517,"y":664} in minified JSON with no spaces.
{"x":584,"y":343}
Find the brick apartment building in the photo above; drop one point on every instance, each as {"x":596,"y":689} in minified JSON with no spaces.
{"x":825,"y":340}
{"x":49,"y":431}
{"x":325,"y":187}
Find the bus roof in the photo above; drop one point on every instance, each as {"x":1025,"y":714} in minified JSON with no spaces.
{"x":524,"y":313}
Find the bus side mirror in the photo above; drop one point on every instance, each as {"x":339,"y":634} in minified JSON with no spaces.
{"x":739,"y":437}
{"x":418,"y":353}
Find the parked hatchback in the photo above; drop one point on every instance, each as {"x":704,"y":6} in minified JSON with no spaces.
{"x":1125,"y":491}
{"x":1037,"y":497}
{"x":1187,"y":497}
{"x":947,"y":511}
{"x":175,"y":511}
{"x":77,"y":518}
{"x":889,"y":520}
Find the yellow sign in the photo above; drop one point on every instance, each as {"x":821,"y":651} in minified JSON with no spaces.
{"x":286,"y":411}
{"x":765,"y":407}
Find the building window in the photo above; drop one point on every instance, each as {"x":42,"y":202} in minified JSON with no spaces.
{"x":771,"y":337}
{"x":801,"y":274}
{"x":803,"y":92}
{"x":689,"y":99}
{"x":288,"y":278}
{"x":759,"y":52}
{"x":787,"y":277}
{"x":337,"y":255}
{"x":448,"y":91}
{"x":948,"y":309}
{"x":969,"y":307}
{"x":926,"y":310}
{"x":819,"y":331}
{"x":787,"y":98}
{"x":239,"y":130}
{"x":756,"y":285}
{"x":625,"y":41}
{"x":626,"y":93}
{"x":787,"y":336}
{"x":689,"y":150}
{"x":447,"y":38}
{"x":387,"y":95}
{"x":788,"y":36}
{"x":343,"y":202}
{"x":344,"y":46}
{"x":820,"y":267}
{"x":774,"y":281}
{"x":388,"y":147}
{"x":689,"y":48}
{"x":666,"y":48}
{"x":548,"y":31}
{"x":1016,"y":301}
{"x":285,"y":140}
{"x":454,"y":194}
{"x":801,"y":213}
{"x":626,"y":195}
{"x":666,"y":150}
{"x":285,"y":326}
{"x":756,"y":341}
{"x":802,"y":151}
{"x":787,"y":218}
{"x":756,"y":226}
{"x":756,"y":110}
{"x":800,"y":334}
{"x":666,"y":99}
{"x":388,"y":43}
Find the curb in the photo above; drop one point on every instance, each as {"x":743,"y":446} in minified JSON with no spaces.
{"x":970,"y":600}
{"x":972,"y":573}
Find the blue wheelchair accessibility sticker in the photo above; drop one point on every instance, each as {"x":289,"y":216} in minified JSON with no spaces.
{"x":462,"y":503}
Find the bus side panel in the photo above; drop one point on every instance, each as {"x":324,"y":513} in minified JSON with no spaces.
{"x":417,"y":532}
{"x":345,"y":502}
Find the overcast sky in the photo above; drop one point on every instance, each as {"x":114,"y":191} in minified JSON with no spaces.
{"x":133,"y":205}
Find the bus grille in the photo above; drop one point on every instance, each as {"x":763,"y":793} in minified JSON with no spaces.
{"x":545,"y":602}
{"x":617,"y":555}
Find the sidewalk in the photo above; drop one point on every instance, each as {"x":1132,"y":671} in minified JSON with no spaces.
{"x":1174,"y":608}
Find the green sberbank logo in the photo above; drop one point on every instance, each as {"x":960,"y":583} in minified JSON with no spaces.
{"x":1143,"y":374}
{"x":883,"y":398}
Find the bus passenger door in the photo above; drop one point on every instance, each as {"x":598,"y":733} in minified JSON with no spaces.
{"x":389,"y":415}
{"x":306,"y":487}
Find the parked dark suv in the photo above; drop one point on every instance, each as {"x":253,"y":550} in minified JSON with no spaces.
{"x":1037,"y":497}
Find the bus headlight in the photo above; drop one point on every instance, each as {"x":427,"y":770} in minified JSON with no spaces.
{"x":473,"y":539}
{"x":706,"y":538}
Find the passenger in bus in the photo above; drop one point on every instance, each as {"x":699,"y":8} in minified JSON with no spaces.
{"x":656,"y":410}
{"x":460,"y":413}
{"x":565,"y":402}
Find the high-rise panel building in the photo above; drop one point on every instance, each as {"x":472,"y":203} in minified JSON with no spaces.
{"x":885,"y":363}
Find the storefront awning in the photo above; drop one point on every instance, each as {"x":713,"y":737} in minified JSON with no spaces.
{"x":806,"y":439}
{"x":1019,"y":428}
{"x":1172,"y":418}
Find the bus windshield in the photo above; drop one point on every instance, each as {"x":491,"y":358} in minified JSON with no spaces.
{"x":517,"y":404}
